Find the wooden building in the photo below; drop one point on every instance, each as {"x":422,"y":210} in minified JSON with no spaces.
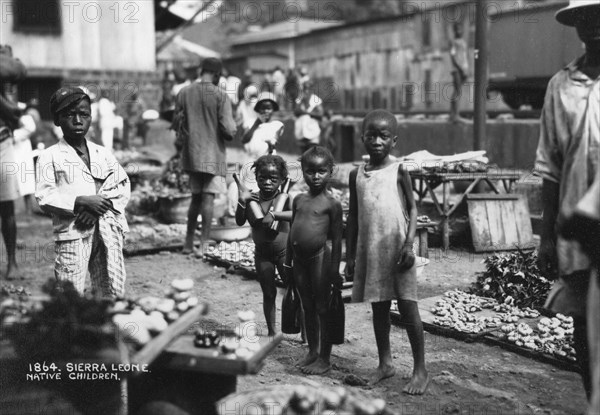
{"x":98,"y":44}
{"x":403,"y":63}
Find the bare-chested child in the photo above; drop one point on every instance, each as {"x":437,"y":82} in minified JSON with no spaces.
{"x":380,"y":233}
{"x":316,"y":217}
{"x":270,"y":249}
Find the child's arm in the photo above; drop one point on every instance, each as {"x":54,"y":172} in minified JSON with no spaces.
{"x":248,"y":136}
{"x":117,"y":188}
{"x":244,"y":195}
{"x":352,"y":227}
{"x":336,"y":223}
{"x":407,"y":256}
{"x":54,"y":201}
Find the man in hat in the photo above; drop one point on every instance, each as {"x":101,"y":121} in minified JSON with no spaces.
{"x":203,"y":123}
{"x":567,"y":159}
{"x":84,"y":188}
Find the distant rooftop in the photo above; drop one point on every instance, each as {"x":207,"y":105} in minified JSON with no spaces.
{"x":283,"y":30}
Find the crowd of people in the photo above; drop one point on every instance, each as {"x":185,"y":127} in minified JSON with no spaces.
{"x":87,"y":204}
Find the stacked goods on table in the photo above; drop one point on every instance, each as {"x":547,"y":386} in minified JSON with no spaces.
{"x":64,"y":324}
{"x":238,"y":343}
{"x":304,"y":399}
{"x":142,"y":319}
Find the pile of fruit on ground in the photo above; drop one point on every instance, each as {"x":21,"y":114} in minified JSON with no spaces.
{"x":522,"y":327}
{"x":233,"y":253}
{"x":304,"y":399}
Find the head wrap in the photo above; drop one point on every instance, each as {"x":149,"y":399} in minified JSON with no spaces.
{"x":65,"y":97}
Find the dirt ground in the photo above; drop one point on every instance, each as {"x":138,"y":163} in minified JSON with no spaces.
{"x":466,"y":378}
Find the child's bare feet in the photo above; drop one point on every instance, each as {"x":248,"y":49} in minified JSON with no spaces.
{"x":10,"y":270}
{"x":318,"y":367}
{"x":417,"y":384}
{"x":382,"y":372}
{"x":310,"y":358}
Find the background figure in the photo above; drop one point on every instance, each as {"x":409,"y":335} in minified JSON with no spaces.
{"x":11,"y":71}
{"x":262,"y":137}
{"x":134,"y":108}
{"x":309,"y":114}
{"x":279,"y":80}
{"x":32,"y":109}
{"x":291,"y":89}
{"x":107,"y":120}
{"x":567,"y":159}
{"x":460,"y":69}
{"x":231,"y":84}
{"x":24,"y":159}
{"x":203,"y":121}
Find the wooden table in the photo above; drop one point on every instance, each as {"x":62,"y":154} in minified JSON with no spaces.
{"x":192,"y":378}
{"x":426,"y":182}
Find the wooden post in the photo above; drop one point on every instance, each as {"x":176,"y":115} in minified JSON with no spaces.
{"x":481,"y":73}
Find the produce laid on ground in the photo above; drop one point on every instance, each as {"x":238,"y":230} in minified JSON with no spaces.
{"x":552,"y":336}
{"x":154,"y":234}
{"x":515,"y":275}
{"x":522,"y":327}
{"x":303,"y":399}
{"x":236,"y":253}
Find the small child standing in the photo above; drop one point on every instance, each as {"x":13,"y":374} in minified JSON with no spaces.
{"x":270,"y":246}
{"x":85,"y":189}
{"x":262,"y":137}
{"x":380,"y":233}
{"x":316,"y":217}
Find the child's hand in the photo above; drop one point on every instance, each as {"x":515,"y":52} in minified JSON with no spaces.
{"x":349,"y":270}
{"x":244,"y":194}
{"x":85,"y":220}
{"x":95,"y":204}
{"x":407,"y":258}
{"x":337,"y":280}
{"x":268,"y":219}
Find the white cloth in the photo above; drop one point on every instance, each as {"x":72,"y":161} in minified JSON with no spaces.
{"x":569,"y":147}
{"x":266,"y":133}
{"x":24,"y":155}
{"x":107,"y":121}
{"x":62,"y":176}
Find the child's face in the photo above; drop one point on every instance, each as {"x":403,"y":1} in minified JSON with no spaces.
{"x":316,"y":172}
{"x":75,"y":121}
{"x":268,"y":179}
{"x":265,"y":110}
{"x":379,"y":139}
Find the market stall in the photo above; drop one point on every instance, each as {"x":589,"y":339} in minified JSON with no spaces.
{"x":88,"y":350}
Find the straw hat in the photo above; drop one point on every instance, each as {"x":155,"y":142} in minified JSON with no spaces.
{"x":568,"y":15}
{"x":267,"y":96}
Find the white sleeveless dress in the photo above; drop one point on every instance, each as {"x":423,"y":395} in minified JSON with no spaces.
{"x":382,"y":228}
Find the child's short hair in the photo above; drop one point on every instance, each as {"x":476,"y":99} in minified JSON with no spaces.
{"x":380,"y":115}
{"x":271,"y":159}
{"x":318,"y":151}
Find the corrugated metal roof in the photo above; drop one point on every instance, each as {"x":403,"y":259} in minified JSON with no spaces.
{"x":283,"y":30}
